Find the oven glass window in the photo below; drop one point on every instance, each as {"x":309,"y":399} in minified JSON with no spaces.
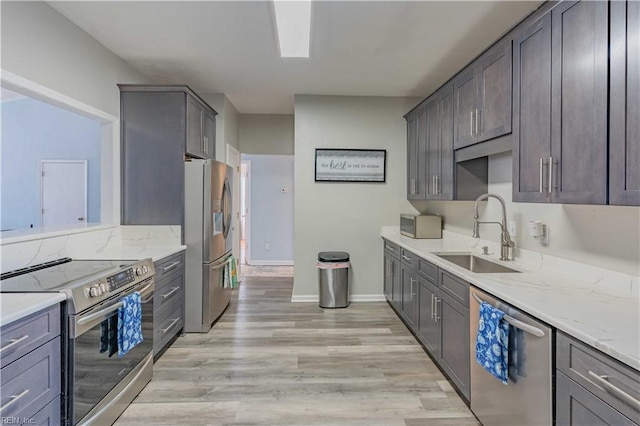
{"x":95,"y":366}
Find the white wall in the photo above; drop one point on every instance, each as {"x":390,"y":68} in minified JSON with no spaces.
{"x":266,"y":134}
{"x":347,"y":216}
{"x":43,"y":46}
{"x":604,"y":236}
{"x":271,"y":209}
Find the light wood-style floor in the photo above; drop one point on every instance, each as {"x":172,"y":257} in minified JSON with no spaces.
{"x":272,"y":362}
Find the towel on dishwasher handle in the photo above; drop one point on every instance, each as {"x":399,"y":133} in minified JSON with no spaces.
{"x":129,"y":323}
{"x":492,"y":342}
{"x":517,"y":357}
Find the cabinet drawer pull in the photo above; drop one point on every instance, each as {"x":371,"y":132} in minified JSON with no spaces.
{"x":14,"y":399}
{"x":390,"y":248}
{"x":170,"y":267}
{"x":408,"y":259}
{"x":173,"y":322}
{"x":13,"y":342}
{"x":173,"y":290}
{"x":615,"y":391}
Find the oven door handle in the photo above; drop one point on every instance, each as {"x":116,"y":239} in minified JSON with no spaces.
{"x":100,"y":313}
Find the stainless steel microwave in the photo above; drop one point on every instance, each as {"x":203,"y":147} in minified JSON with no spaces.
{"x":421,"y":226}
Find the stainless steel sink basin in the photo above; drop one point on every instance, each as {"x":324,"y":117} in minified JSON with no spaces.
{"x":475,"y":263}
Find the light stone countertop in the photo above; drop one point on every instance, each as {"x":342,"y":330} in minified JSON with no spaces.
{"x":14,"y":306}
{"x":598,"y":307}
{"x":134,"y":252}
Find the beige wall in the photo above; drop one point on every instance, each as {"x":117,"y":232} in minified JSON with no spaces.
{"x":43,"y":46}
{"x":266,"y":134}
{"x":347,"y":216}
{"x":605,"y":236}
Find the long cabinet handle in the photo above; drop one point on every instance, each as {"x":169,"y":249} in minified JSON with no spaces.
{"x":471,"y":125}
{"x":13,"y":342}
{"x":432,"y":306}
{"x":615,"y":391}
{"x":437,"y":314}
{"x":170,"y":267}
{"x":550,"y":174}
{"x":438,"y":184}
{"x":173,"y":322}
{"x":478,"y":130}
{"x":173,"y":290}
{"x":14,"y":399}
{"x":541,"y":174}
{"x":412,"y":280}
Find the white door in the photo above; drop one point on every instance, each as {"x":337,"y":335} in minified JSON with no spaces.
{"x":245,"y":222}
{"x":63,"y":189}
{"x":233,"y":159}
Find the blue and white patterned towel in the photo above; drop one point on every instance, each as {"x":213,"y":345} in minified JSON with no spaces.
{"x":492,"y":342}
{"x":129,"y":323}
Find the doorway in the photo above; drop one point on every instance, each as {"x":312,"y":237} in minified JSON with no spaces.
{"x":63,"y":192}
{"x":233,"y":160}
{"x":245,"y":201}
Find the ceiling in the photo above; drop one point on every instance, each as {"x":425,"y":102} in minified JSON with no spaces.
{"x":363,"y":48}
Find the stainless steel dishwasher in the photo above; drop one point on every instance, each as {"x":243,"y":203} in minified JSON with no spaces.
{"x":528,"y":401}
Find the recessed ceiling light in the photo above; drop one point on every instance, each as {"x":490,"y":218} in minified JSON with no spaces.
{"x":293,"y":20}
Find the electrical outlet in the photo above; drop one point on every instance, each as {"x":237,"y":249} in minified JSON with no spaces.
{"x":267,"y":246}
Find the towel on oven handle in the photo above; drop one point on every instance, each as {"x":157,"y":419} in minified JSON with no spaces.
{"x":129,"y":323}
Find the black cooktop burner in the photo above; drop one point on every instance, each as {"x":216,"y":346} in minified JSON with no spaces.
{"x":57,"y":275}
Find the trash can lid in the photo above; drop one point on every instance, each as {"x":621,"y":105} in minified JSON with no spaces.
{"x":333,"y":256}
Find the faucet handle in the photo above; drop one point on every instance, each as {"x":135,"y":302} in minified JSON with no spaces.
{"x":485,"y":250}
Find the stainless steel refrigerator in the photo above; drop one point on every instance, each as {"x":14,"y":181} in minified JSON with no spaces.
{"x":207,"y":219}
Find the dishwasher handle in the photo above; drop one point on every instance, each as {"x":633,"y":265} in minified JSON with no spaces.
{"x":516,"y":323}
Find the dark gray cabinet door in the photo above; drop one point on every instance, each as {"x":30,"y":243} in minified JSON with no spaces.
{"x":396,"y":285}
{"x":152,"y":157}
{"x":409,"y":291}
{"x":444,"y":184}
{"x":454,"y":341}
{"x":532,"y":112}
{"x":195,"y":140}
{"x":465,"y":92}
{"x":576,"y":406}
{"x":624,"y":107}
{"x":428,"y":328}
{"x":579,"y":102}
{"x":412,"y":156}
{"x":432,"y":170}
{"x":493,"y":115}
{"x":209,"y":127}
{"x":388,"y":277}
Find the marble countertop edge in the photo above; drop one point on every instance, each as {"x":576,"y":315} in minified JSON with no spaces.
{"x":14,"y":306}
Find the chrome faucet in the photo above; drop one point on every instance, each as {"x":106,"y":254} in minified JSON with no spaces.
{"x":506,"y":244}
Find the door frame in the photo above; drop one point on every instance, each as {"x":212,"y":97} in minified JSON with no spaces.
{"x":247,"y":207}
{"x":85,"y":180}
{"x":233,"y":153}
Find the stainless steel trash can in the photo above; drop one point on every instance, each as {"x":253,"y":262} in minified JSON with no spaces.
{"x":333,"y":279}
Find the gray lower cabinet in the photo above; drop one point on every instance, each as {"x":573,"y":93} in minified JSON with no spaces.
{"x":560,"y":106}
{"x":168,"y":301}
{"x":482,"y":97}
{"x":159,"y":126}
{"x":624,"y":104}
{"x":435,"y":309}
{"x":392,"y":270}
{"x":592,"y":388}
{"x":409,"y":285}
{"x":31,"y":369}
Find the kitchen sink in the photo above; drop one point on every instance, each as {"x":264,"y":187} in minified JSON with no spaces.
{"x":475,"y":263}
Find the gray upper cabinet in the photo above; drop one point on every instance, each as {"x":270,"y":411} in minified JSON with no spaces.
{"x":482,"y":97}
{"x":579,"y":57}
{"x":159,"y":125}
{"x":416,"y":154}
{"x":624,"y":108}
{"x":209,"y":131}
{"x":439,"y":153}
{"x":560,"y":105}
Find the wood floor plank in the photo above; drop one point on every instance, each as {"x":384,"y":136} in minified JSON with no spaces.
{"x":268,"y":361}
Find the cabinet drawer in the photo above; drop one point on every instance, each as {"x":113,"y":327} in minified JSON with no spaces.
{"x":167,"y":327}
{"x":168,"y":266}
{"x":601,"y":375}
{"x":455,"y":287}
{"x":408,"y":259}
{"x":172,"y":290}
{"x":28,"y":333}
{"x":428,"y":270}
{"x":48,"y":416}
{"x":32,"y":381}
{"x":392,"y":249}
{"x":576,"y":406}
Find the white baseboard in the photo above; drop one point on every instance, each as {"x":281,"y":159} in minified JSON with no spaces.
{"x":271,"y":263}
{"x":310,"y":298}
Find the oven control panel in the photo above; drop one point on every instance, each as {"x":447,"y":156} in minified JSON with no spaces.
{"x":121,"y":279}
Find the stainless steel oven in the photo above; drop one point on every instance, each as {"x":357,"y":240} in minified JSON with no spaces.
{"x":101,"y":382}
{"x":98,"y":384}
